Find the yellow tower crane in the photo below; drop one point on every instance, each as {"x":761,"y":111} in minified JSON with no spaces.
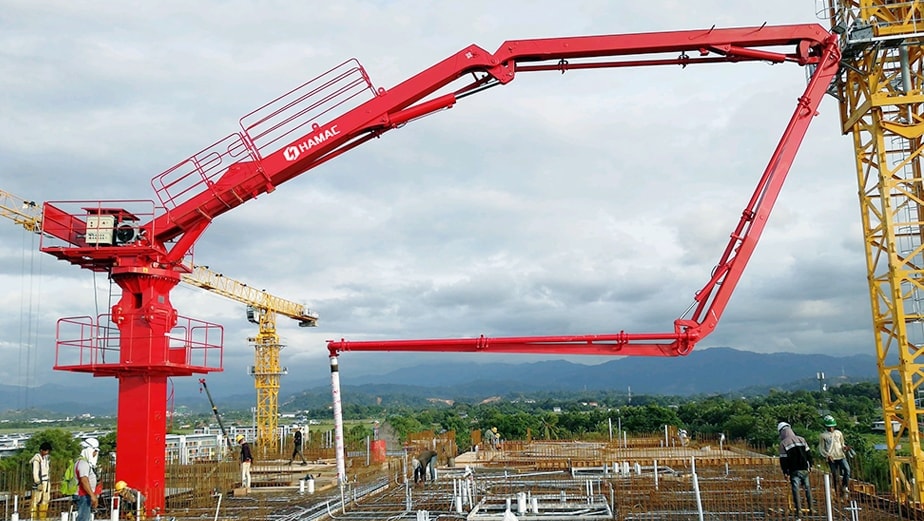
{"x":27,"y":214}
{"x":262,"y":309}
{"x":880,"y":90}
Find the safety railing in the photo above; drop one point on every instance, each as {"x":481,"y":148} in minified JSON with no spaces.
{"x":318,"y":100}
{"x":200,"y":171}
{"x":87,"y":345}
{"x":307,"y":106}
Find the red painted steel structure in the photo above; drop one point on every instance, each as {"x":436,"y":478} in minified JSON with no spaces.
{"x":819,"y":51}
{"x":335,"y":113}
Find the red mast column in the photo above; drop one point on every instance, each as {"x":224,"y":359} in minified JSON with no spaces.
{"x":143,"y":341}
{"x":145,"y":318}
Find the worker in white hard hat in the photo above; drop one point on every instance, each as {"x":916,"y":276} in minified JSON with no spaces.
{"x":85,"y":470}
{"x":833,"y":449}
{"x":796,"y":462}
{"x":246,"y":461}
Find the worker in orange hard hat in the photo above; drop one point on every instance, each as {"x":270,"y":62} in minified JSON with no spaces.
{"x":131,"y":500}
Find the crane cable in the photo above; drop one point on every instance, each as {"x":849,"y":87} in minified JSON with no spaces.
{"x":28,"y":329}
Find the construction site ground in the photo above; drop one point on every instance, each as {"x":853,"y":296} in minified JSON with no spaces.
{"x":540,"y":480}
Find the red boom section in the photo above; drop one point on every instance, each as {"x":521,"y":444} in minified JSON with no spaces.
{"x":711,"y":300}
{"x":274,"y":147}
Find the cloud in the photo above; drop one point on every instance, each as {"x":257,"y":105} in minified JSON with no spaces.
{"x":589,"y":202}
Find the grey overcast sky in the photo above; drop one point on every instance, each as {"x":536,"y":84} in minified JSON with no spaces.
{"x":590,"y":202}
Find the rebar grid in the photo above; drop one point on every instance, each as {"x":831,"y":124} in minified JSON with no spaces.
{"x":611,"y":483}
{"x":479,"y":494}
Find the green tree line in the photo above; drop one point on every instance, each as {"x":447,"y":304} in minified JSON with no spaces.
{"x":743,"y":419}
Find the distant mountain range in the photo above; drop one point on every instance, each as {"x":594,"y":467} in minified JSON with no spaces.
{"x":716,"y":370}
{"x":707,"y":371}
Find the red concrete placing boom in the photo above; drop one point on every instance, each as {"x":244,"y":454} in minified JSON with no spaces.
{"x":143,"y":244}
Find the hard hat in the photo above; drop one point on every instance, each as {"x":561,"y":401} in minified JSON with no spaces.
{"x":120,"y":485}
{"x":91,"y":443}
{"x":494,"y":429}
{"x":782,"y":425}
{"x":829,"y":421}
{"x":240,"y":438}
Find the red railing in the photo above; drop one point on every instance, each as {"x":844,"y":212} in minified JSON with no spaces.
{"x":95,"y":346}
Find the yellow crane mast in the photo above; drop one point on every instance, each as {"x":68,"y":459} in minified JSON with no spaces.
{"x":880,"y":90}
{"x":262,"y":309}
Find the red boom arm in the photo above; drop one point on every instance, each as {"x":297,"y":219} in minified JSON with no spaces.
{"x":330,"y":137}
{"x":814,"y":46}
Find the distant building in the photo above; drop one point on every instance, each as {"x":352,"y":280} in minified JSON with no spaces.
{"x":190,"y":448}
{"x":11,"y":444}
{"x":879,"y":426}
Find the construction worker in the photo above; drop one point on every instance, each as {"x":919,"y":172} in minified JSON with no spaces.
{"x":418,"y":473}
{"x":297,"y":447}
{"x":796,"y":462}
{"x":85,"y":470}
{"x":246,"y":461}
{"x":132,"y":501}
{"x":41,"y":486}
{"x":426,"y":458}
{"x":489,"y":439}
{"x":832,"y":447}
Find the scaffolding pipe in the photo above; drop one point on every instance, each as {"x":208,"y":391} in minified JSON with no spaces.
{"x":854,"y":510}
{"x":408,"y":502}
{"x":699,"y":499}
{"x":218,"y":507}
{"x":338,"y":418}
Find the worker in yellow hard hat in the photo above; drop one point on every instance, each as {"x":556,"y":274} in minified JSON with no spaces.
{"x":246,"y":460}
{"x":490,"y":438}
{"x":131,"y":500}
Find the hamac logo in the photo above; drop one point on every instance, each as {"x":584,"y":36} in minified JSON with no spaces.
{"x":293,"y":151}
